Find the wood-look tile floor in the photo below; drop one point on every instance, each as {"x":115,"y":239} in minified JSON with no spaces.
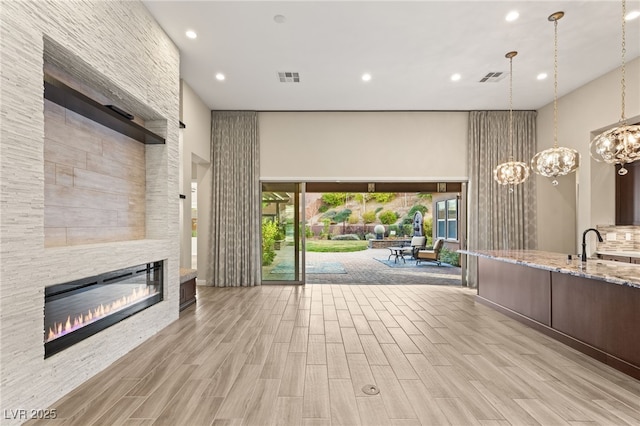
{"x":283,"y":355}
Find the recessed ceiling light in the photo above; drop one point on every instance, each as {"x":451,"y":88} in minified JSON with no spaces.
{"x":219,"y":76}
{"x":280,"y":19}
{"x":542,"y":76}
{"x":191,"y":34}
{"x":456,"y":77}
{"x":512,"y":16}
{"x":632,"y":15}
{"x":366,"y":77}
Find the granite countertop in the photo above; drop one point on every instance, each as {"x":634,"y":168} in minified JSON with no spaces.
{"x":613,"y":272}
{"x":620,"y":253}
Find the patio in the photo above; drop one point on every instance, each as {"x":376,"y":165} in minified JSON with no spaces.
{"x":368,"y":267}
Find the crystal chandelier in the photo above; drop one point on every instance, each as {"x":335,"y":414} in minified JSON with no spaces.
{"x":511,"y":172}
{"x":620,"y":145}
{"x":556,"y":161}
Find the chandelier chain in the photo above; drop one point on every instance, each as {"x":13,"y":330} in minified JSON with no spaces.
{"x":511,"y":172}
{"x":556,"y":161}
{"x":555,"y":84}
{"x":511,"y":108}
{"x":624,"y":51}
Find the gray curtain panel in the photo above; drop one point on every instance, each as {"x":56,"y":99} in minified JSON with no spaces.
{"x":500,"y":219}
{"x":235,"y":258}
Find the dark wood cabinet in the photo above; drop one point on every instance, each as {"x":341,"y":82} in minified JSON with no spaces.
{"x":529,"y":294}
{"x":595,"y":317}
{"x":187,"y":293}
{"x":600,"y":314}
{"x":628,"y":195}
{"x":187,"y":287}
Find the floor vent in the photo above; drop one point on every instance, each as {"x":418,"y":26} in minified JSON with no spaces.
{"x":289,"y":77}
{"x":493,"y":77}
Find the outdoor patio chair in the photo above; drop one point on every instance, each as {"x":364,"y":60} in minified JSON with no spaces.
{"x":432,"y":255}
{"x":417,"y":243}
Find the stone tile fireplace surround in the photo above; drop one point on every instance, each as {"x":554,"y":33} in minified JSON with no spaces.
{"x":141,"y":75}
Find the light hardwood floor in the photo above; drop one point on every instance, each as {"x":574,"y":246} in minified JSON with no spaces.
{"x":281,"y":355}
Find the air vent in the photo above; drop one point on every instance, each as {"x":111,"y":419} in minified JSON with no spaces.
{"x":289,"y":77}
{"x":493,"y":77}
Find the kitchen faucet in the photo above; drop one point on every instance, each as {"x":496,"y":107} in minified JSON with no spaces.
{"x":584,"y":242}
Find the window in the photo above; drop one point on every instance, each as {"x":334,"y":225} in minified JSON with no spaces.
{"x":452,"y":219}
{"x":441,"y":220}
{"x":447,"y":219}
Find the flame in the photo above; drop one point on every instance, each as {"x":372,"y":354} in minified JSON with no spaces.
{"x":92,"y":315}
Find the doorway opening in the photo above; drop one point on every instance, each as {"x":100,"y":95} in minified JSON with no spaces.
{"x":194,"y":225}
{"x":336,"y":232}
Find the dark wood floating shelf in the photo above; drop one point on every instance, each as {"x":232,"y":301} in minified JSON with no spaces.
{"x":63,"y":95}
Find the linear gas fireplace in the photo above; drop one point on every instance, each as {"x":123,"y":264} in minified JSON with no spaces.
{"x":76,"y":310}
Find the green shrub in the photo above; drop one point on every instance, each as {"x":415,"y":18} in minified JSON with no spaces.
{"x":407,"y":229}
{"x":353,"y":237}
{"x":395,"y":228}
{"x":370,"y":236}
{"x":268,"y":256}
{"x":269,"y":232}
{"x":334,"y":198}
{"x":383,"y":197}
{"x":388,"y":217}
{"x":324,"y":234}
{"x":323,"y":208}
{"x":450,"y":257}
{"x":308,"y":232}
{"x":369,"y":217}
{"x":353,"y":220}
{"x":427,"y":226}
{"x":358,"y":197}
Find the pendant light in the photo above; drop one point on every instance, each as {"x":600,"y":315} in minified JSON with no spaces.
{"x":620,"y":145}
{"x":511,"y":172}
{"x":556,"y":161}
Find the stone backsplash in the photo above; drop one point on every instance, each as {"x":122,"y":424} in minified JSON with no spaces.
{"x":619,"y":238}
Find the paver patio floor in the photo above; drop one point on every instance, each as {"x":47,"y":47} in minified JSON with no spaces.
{"x":361,"y":267}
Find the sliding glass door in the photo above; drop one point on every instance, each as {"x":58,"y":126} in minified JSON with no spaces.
{"x":282,"y":240}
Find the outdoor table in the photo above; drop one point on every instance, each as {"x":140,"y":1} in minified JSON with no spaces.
{"x":397,"y":252}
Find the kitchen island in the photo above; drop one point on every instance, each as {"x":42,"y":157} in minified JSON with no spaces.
{"x":593,"y":307}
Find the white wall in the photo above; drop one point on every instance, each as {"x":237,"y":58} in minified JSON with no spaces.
{"x":363,"y":146}
{"x":195,"y":161}
{"x":562,"y":219}
{"x":142,"y":74}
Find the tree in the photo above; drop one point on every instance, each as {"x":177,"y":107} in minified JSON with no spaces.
{"x":342,"y":217}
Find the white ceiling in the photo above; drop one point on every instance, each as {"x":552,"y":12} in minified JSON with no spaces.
{"x":410,"y":48}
